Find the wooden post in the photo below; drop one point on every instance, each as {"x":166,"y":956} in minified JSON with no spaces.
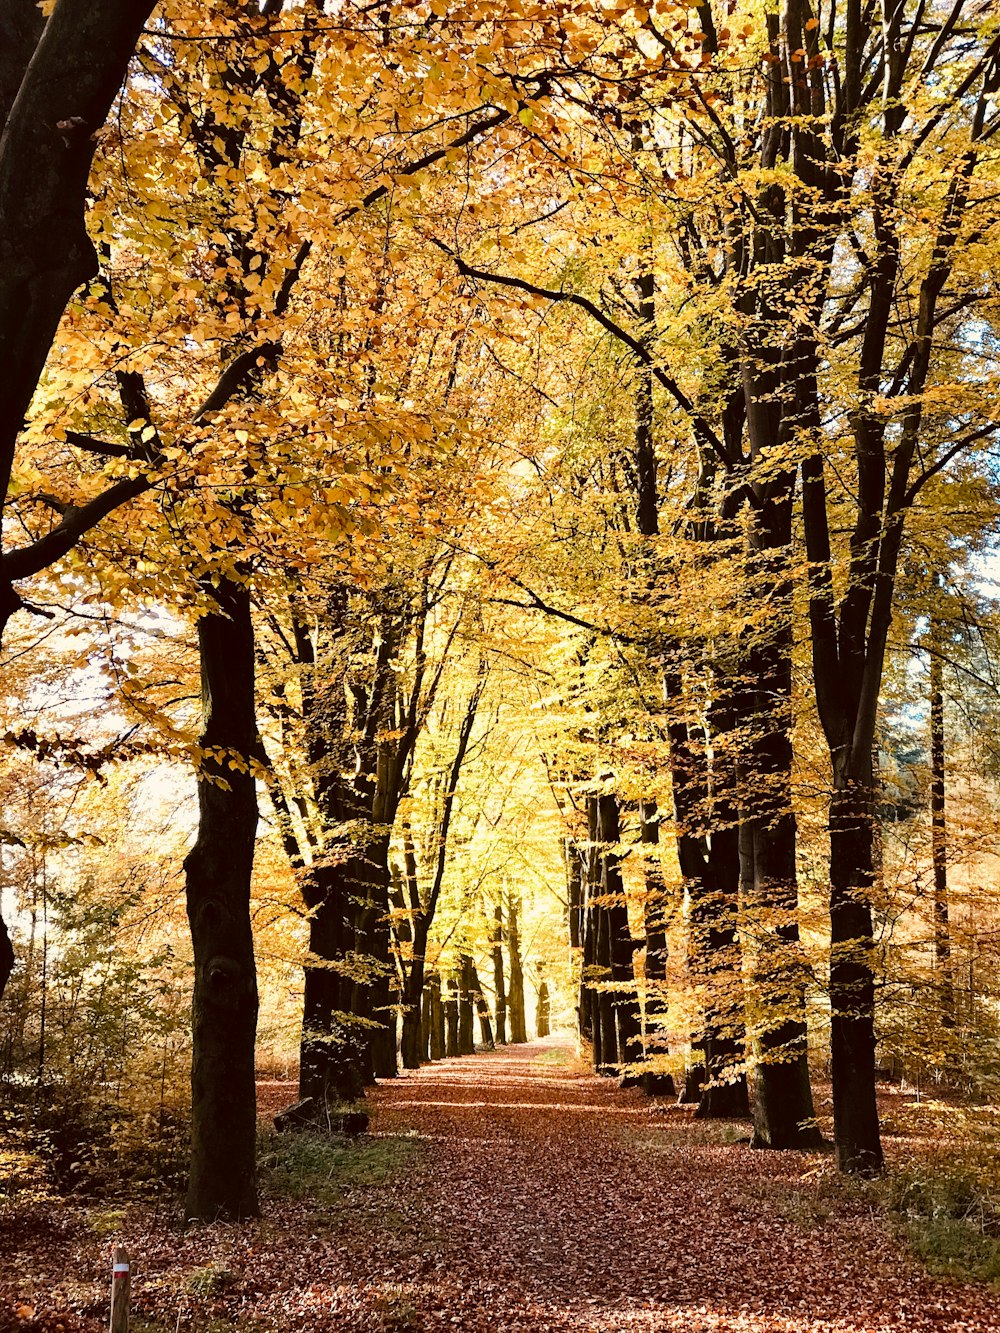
{"x":121,"y":1286}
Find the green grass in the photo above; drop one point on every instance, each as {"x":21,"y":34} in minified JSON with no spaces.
{"x":321,"y":1169}
{"x":553,"y":1057}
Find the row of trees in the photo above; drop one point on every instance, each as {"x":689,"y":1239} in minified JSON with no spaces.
{"x":583,"y":387}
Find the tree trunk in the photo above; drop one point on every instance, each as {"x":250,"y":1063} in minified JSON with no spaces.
{"x":783,"y":1104}
{"x":604,"y":1016}
{"x":218,"y":868}
{"x":515,"y":999}
{"x":500,"y":993}
{"x":657,"y":1082}
{"x":466,"y":1008}
{"x":423,"y":1049}
{"x":417,"y":1009}
{"x":6,"y":957}
{"x":436,"y":1042}
{"x":543,"y":1024}
{"x":65,"y":86}
{"x":379,"y":944}
{"x":587,"y":1006}
{"x":483,"y":1011}
{"x":331,"y":1059}
{"x":939,"y":835}
{"x":574,"y":893}
{"x":724,"y":1092}
{"x":451,"y":1019}
{"x":621,"y":946}
{"x":852,"y":981}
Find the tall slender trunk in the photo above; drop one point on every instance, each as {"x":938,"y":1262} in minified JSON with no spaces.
{"x":943,"y":973}
{"x":656,"y":1081}
{"x":436,"y":1041}
{"x":222,"y":1182}
{"x":6,"y":956}
{"x":371,"y":999}
{"x":720,"y":964}
{"x":331,"y":1064}
{"x":622,"y":946}
{"x":515,"y":998}
{"x":852,"y":981}
{"x":466,"y":1008}
{"x":452,"y":1047}
{"x":499,"y":988}
{"x":415,"y":1037}
{"x":482,"y":1011}
{"x":543,"y":1011}
{"x":783,"y":1106}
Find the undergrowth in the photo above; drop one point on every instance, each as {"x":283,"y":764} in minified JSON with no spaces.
{"x":319,"y":1168}
{"x":944,"y":1195}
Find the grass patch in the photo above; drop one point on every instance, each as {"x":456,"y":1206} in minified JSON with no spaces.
{"x":212,"y":1280}
{"x":320,"y":1168}
{"x":553,"y":1057}
{"x":681,"y":1130}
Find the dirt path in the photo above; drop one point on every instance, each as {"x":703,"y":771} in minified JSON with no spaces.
{"x":506,"y":1193}
{"x":551,"y":1200}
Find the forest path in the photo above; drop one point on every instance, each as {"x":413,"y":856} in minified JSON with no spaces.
{"x":548,"y":1199}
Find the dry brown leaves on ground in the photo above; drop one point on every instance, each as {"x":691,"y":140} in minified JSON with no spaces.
{"x":507,"y":1191}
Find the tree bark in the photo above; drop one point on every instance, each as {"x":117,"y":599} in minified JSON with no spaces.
{"x":622,"y":947}
{"x":515,"y":998}
{"x":657,"y":1082}
{"x":331,"y":1063}
{"x":482,"y":1011}
{"x":784,"y":1117}
{"x":466,"y":1008}
{"x":499,"y":989}
{"x":451,"y":1019}
{"x":222,"y":1181}
{"x":57,"y":84}
{"x":543,"y":1024}
{"x":436,"y":1043}
{"x":939,"y":834}
{"x":6,"y":956}
{"x":852,"y":982}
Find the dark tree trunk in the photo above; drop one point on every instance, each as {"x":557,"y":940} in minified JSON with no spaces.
{"x":384,"y":1040}
{"x":373,"y":998}
{"x":658,"y":1082}
{"x":939,"y":835}
{"x":852,"y":981}
{"x":436,"y":1042}
{"x":604,"y":1017}
{"x":482,"y":1011}
{"x":331,"y":1058}
{"x":218,"y":868}
{"x":783,"y":1105}
{"x":515,"y":998}
{"x":574,"y":893}
{"x":499,"y":988}
{"x":621,"y":945}
{"x":466,"y":1009}
{"x":58,"y":80}
{"x":416,"y":1029}
{"x":6,"y":957}
{"x":423,"y":1050}
{"x":724,"y":1094}
{"x":416,"y":1032}
{"x":452,"y":1046}
{"x":543,"y":1024}
{"x":64,"y":86}
{"x":587,"y":1006}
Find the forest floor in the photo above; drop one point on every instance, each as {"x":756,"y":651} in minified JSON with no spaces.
{"x":501,"y":1192}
